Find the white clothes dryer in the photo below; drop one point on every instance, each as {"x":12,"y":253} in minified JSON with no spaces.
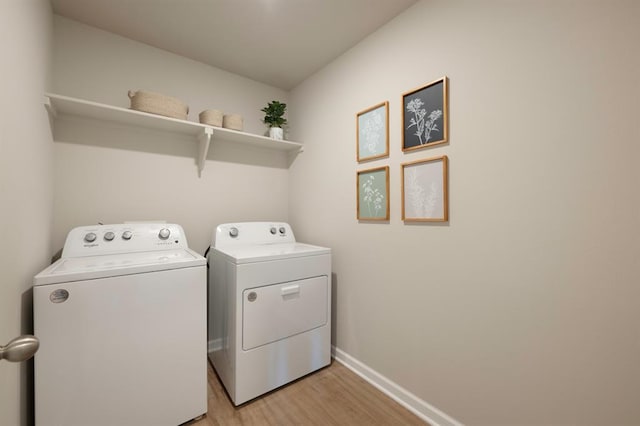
{"x":269,"y":307}
{"x":121,"y":319}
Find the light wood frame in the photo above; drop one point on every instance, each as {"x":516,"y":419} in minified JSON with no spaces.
{"x":362,"y":193}
{"x":435,"y":97}
{"x":360,"y":155}
{"x":419,"y":212}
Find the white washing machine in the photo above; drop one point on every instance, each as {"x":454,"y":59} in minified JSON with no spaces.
{"x":121,"y":319}
{"x":269,"y":307}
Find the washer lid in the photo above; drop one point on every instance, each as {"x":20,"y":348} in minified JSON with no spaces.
{"x":264,"y":252}
{"x":93,"y":267}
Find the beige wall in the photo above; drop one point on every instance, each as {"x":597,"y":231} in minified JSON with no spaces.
{"x":25,"y":184}
{"x":108,"y":174}
{"x":523,"y":309}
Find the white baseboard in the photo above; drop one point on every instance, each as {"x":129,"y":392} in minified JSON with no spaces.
{"x":402,"y":396}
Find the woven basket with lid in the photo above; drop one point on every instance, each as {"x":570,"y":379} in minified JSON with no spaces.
{"x":212,"y":117}
{"x":232,"y":121}
{"x":156,"y":103}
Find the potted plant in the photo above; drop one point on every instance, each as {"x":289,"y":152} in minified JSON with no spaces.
{"x":273,"y":117}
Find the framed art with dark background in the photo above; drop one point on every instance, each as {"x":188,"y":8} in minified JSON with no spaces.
{"x":425,"y":116}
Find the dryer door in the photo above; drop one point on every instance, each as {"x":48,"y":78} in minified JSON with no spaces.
{"x":278,"y":311}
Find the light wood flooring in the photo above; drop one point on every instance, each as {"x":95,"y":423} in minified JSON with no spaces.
{"x":331,"y":396}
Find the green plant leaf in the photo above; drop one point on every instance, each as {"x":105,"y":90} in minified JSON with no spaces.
{"x":274,"y":113}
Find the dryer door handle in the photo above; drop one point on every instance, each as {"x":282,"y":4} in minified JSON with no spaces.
{"x":290,"y":289}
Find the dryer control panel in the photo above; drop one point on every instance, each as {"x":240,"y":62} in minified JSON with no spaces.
{"x":123,"y":238}
{"x":252,"y":233}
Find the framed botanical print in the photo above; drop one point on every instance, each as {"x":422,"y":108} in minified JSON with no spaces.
{"x":373,"y":132}
{"x":425,"y":116}
{"x":425,"y":193}
{"x":373,"y":194}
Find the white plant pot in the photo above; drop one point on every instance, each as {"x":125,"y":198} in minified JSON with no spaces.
{"x":276,"y":133}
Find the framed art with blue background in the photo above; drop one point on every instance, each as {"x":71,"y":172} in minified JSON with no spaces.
{"x":373,"y":132}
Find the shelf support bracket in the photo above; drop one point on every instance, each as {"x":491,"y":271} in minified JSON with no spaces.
{"x":52,"y":113}
{"x":204,"y":140}
{"x":50,"y":108}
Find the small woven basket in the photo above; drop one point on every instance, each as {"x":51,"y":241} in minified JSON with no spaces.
{"x":232,"y":121}
{"x":156,"y":103}
{"x":212,"y":117}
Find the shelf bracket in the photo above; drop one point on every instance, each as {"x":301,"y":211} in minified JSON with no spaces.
{"x":204,"y":140}
{"x":50,"y":108}
{"x":52,"y":113}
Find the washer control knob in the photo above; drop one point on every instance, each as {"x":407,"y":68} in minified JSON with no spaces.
{"x":233,"y":232}
{"x":273,"y":230}
{"x":109,"y":236}
{"x":164,"y":233}
{"x":90,"y":237}
{"x":126,"y":235}
{"x":282,"y":230}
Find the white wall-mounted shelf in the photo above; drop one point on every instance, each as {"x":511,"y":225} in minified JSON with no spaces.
{"x":59,"y":105}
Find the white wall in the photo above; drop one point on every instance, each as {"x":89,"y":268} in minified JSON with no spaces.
{"x":523,"y":309}
{"x":109,"y":174}
{"x":25,"y":184}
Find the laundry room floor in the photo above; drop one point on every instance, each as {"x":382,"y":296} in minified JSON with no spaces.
{"x":331,"y":396}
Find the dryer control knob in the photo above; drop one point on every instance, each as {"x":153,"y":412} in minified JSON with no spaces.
{"x":126,"y":235}
{"x":109,"y":236}
{"x":233,"y":232}
{"x":273,"y":230}
{"x":90,"y":237}
{"x":282,"y":230}
{"x":164,"y":233}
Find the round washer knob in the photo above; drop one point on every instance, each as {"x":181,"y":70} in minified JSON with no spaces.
{"x":282,"y":230}
{"x":233,"y":232}
{"x":273,"y":230}
{"x":164,"y":233}
{"x":126,"y":235}
{"x":109,"y":236}
{"x":90,"y":237}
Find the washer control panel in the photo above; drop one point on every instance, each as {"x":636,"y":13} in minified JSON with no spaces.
{"x":123,"y":238}
{"x":242,"y":233}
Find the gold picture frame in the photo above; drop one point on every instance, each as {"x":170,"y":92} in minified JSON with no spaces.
{"x":372,"y":132}
{"x":425,"y":115}
{"x":372,"y":194}
{"x":425,"y":190}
